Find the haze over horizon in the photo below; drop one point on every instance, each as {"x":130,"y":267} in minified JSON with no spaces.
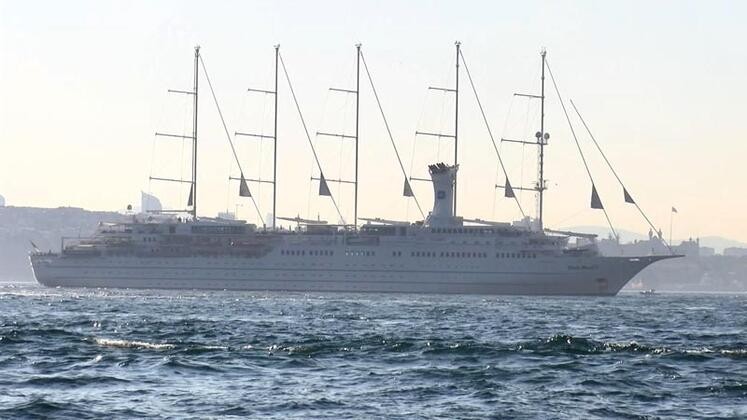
{"x":660,"y":84}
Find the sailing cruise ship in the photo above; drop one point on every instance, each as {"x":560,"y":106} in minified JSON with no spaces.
{"x":444,"y":253}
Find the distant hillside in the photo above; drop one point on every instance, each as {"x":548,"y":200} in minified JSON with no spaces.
{"x":716,"y":242}
{"x":20,"y":226}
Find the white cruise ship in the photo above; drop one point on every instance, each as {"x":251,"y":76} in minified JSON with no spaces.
{"x":443,"y":253}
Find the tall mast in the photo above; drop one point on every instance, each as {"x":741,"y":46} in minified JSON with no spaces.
{"x":357,"y":109}
{"x":542,"y":138}
{"x":343,"y":136}
{"x":194,"y":136}
{"x":275,"y":144}
{"x":456,"y":123}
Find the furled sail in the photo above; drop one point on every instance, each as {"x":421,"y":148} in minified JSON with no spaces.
{"x":407,"y":192}
{"x":323,"y":187}
{"x":628,"y":198}
{"x":508,"y":191}
{"x":596,"y":202}
{"x":244,"y":188}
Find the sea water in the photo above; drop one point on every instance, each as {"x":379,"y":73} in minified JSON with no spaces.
{"x":85,"y":353}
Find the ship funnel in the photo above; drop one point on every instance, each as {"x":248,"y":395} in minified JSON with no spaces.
{"x":442,"y":176}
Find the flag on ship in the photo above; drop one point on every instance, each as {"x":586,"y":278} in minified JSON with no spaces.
{"x":407,"y":192}
{"x":244,"y":188}
{"x":508,"y":191}
{"x":323,"y":187}
{"x":596,"y":202}
{"x":628,"y":197}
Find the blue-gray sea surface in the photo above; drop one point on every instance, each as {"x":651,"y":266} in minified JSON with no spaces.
{"x":77,"y":353}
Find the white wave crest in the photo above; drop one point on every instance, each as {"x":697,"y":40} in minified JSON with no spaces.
{"x":109,"y":342}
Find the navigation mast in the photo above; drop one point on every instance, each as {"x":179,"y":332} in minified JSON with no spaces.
{"x":541,"y":141}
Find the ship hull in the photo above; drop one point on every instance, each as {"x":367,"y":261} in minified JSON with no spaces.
{"x":583,"y":276}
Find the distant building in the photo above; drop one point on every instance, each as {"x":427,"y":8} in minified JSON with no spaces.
{"x":735,"y":252}
{"x":706,"y":251}
{"x":689,"y":248}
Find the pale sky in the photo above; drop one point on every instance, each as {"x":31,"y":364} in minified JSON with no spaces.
{"x":83,"y":89}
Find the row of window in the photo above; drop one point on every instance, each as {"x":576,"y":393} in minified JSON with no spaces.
{"x":449,"y":254}
{"x":354,"y":253}
{"x":521,"y":254}
{"x":426,"y":254}
{"x":313,"y":252}
{"x":477,"y":230}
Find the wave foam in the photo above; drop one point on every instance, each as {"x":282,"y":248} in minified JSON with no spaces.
{"x":109,"y":342}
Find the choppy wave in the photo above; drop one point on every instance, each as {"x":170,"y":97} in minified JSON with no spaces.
{"x":135,"y":354}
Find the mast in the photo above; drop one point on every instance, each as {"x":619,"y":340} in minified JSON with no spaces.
{"x":542,"y":139}
{"x":343,"y":136}
{"x":357,"y":109}
{"x":275,"y":144}
{"x":456,"y":123}
{"x":194,"y":136}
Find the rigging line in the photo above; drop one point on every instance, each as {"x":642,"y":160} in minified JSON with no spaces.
{"x":228,"y":136}
{"x":306,"y":130}
{"x":487,"y":125}
{"x":388,"y":130}
{"x":578,"y":145}
{"x":612,"y":169}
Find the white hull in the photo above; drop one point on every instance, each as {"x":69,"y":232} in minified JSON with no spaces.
{"x":597,"y":276}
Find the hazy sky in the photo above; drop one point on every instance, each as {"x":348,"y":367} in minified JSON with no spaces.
{"x":83,"y":89}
